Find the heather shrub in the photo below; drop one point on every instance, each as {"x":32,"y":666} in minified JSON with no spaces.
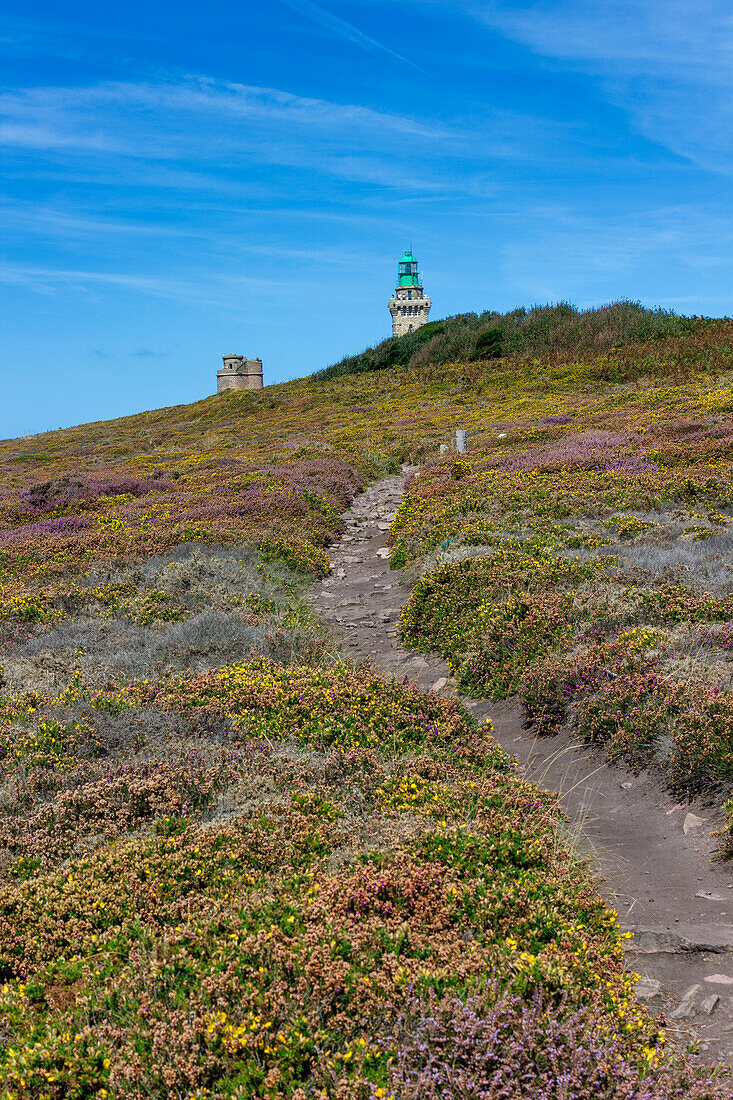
{"x":235,"y":877}
{"x":551,"y":685}
{"x":572,"y":632}
{"x":114,"y":806}
{"x":498,"y":1045}
{"x":701,"y":753}
{"x":630,"y":715}
{"x":617,"y":695}
{"x":278,"y":945}
{"x":330,"y":707}
{"x":508,"y":638}
{"x":677,"y":603}
{"x":722,"y":638}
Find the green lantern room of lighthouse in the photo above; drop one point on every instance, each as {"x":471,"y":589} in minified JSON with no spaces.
{"x":407,"y":273}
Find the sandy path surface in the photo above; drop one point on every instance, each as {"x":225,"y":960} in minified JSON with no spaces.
{"x":652,"y":853}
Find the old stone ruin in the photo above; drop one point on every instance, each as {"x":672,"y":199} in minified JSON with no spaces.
{"x":239,"y":373}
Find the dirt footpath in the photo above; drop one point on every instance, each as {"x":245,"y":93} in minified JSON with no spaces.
{"x":652,"y":853}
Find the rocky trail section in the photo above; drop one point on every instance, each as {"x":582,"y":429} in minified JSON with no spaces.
{"x":653,"y":855}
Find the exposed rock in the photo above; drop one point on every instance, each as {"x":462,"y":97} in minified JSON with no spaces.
{"x":713,"y":938}
{"x":692,"y":822}
{"x":647,"y":988}
{"x":686,"y":1007}
{"x":707,"y":1007}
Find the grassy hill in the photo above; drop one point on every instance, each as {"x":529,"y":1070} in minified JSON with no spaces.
{"x":552,"y":333}
{"x":232,"y":864}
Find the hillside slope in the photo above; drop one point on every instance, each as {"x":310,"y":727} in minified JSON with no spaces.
{"x":232,"y":864}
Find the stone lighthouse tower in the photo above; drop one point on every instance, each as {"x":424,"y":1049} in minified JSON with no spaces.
{"x":409,"y":306}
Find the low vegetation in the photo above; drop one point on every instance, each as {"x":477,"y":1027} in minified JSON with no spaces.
{"x":549,"y":333}
{"x":234,"y":865}
{"x":583,"y":561}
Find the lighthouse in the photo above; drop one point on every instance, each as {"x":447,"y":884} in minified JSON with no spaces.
{"x":408,"y":305}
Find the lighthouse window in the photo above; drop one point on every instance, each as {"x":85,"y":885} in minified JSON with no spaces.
{"x":409,"y":294}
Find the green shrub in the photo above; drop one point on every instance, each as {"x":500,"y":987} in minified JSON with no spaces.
{"x":299,"y":554}
{"x":557,"y":331}
{"x":490,"y":617}
{"x":489,"y":344}
{"x":397,"y":351}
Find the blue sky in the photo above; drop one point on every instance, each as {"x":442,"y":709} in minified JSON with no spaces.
{"x":182,"y":181}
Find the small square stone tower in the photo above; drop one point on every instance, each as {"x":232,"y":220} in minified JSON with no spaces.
{"x":409,"y":306}
{"x":238,"y":373}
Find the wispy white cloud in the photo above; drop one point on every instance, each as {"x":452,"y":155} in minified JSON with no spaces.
{"x":43,"y":135}
{"x":649,"y":35}
{"x":220,"y":131}
{"x":641,"y":254}
{"x":38,"y":219}
{"x":221,"y":232}
{"x":224,"y":291}
{"x":668,"y":63}
{"x":347,"y":31}
{"x":89,"y":118}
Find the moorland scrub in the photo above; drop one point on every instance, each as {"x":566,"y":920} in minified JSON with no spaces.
{"x":233,"y":864}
